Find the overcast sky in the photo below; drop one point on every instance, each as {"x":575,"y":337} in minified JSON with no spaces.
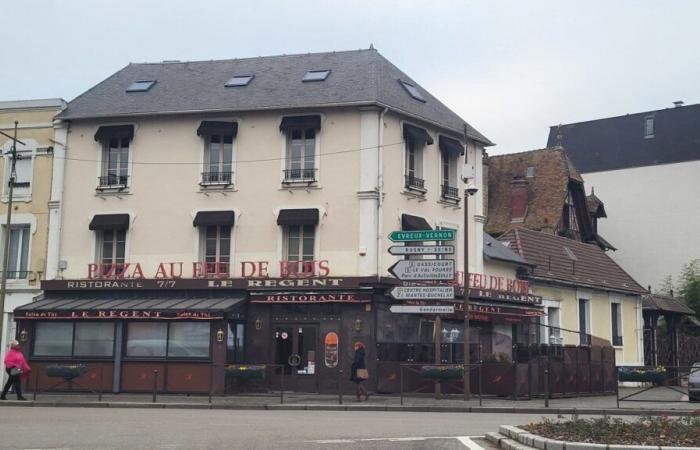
{"x":510,"y":68}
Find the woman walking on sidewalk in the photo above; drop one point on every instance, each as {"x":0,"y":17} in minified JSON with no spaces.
{"x":358,"y":371}
{"x":17,"y":369}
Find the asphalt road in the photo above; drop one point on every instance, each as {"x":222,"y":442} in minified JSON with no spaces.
{"x":96,"y":428}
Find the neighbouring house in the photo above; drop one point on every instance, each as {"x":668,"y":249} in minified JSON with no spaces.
{"x":30,"y":213}
{"x":590,"y":300}
{"x":237,"y":211}
{"x":645,"y":166}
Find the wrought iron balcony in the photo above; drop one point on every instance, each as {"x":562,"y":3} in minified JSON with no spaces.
{"x":307,"y":175}
{"x":112,"y":181}
{"x":617,"y":341}
{"x":16,"y":274}
{"x":449,"y":192}
{"x":209,"y":178}
{"x":413,"y":182}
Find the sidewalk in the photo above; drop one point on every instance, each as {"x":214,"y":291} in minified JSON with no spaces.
{"x":669,"y":403}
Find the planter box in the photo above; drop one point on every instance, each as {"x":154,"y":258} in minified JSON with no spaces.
{"x":455,"y":372}
{"x":246,"y":372}
{"x":66,"y":371}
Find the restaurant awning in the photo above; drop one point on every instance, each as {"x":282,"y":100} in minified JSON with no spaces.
{"x":414,"y":223}
{"x":136,"y":305}
{"x":109,"y":222}
{"x":218,"y":218}
{"x":449,"y":145}
{"x":115,"y":132}
{"x":418,"y":134}
{"x":298,"y":217}
{"x":300,"y":122}
{"x":210,"y":128}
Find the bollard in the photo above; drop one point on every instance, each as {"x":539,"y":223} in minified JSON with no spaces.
{"x":282,"y":386}
{"x":36,"y":385}
{"x":155,"y":384}
{"x":102,"y":376}
{"x":546,"y":388}
{"x":340,"y":386}
{"x":617,"y":387}
{"x":480,"y":375}
{"x":211,"y":381}
{"x":401,"y":382}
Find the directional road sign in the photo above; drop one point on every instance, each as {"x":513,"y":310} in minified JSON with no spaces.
{"x":423,"y":292}
{"x":423,"y":309}
{"x":424,"y":269}
{"x":422,"y":250}
{"x":422,"y":235}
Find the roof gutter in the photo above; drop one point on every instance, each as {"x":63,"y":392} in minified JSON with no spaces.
{"x":585,"y":285}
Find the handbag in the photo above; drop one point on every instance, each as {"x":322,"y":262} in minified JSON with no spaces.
{"x":362,"y":374}
{"x":14,"y":371}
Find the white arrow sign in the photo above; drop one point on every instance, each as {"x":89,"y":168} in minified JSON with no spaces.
{"x":422,"y":309}
{"x":423,"y":292}
{"x":424,"y":269}
{"x":422,"y":250}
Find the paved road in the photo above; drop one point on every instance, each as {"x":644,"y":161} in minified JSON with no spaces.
{"x":95,"y":428}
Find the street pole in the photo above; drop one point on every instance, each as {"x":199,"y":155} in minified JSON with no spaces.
{"x":6,"y":237}
{"x":467,"y":359}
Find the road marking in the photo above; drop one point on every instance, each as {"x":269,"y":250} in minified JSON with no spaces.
{"x":473,"y":446}
{"x":469,"y":443}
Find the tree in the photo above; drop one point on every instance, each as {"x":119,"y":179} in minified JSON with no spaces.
{"x":689,"y":285}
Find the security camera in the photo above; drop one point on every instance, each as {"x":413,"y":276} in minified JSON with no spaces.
{"x":472,"y":189}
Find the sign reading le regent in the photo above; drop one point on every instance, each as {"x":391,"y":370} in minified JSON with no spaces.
{"x":423,"y":235}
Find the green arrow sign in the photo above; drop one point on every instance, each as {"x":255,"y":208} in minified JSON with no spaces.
{"x":422,"y":235}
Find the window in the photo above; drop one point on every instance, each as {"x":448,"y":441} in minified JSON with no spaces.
{"x":141,"y":86}
{"x":553,"y":321}
{"x":299,"y":247}
{"x":217,"y":160}
{"x":569,"y":224}
{"x":584,"y":321}
{"x":17,"y":263}
{"x":112,"y":250}
{"x":115,"y":163}
{"x":216,"y":249}
{"x":412,"y":91}
{"x":530,"y":173}
{"x":172,"y":340}
{"x":235,"y":351}
{"x":649,"y":127}
{"x":316,"y":75}
{"x":239,"y":80}
{"x":23,"y":175}
{"x":301,"y":153}
{"x":448,"y":174}
{"x":616,"y":321}
{"x":74,"y":339}
{"x":414,"y":165}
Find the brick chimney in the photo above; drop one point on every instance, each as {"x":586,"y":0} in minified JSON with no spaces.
{"x":518,"y":200}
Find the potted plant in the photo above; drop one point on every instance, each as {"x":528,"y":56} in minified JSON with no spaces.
{"x":66,"y":371}
{"x":450,"y":372}
{"x":246,"y":371}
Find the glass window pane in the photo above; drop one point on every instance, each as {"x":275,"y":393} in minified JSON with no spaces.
{"x":94,"y":339}
{"x":14,"y":250}
{"x":146,"y":339}
{"x":53,"y":339}
{"x":189,"y":340}
{"x":214,"y":149}
{"x":25,"y":249}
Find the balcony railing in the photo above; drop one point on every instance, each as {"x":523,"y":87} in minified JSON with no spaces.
{"x":307,"y":175}
{"x":413,"y":182}
{"x":209,"y":178}
{"x":112,"y":181}
{"x":617,"y":341}
{"x":450,"y":192}
{"x":16,"y":274}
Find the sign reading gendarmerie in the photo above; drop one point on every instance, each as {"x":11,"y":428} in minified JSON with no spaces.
{"x":422,"y":309}
{"x":422,"y":235}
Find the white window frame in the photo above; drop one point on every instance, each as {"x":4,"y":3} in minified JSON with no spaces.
{"x":588,"y":297}
{"x":616,"y":300}
{"x":28,"y":230}
{"x":101,"y":190}
{"x":281,"y":236}
{"x":418,"y":164}
{"x":99,"y":243}
{"x":286,"y":141}
{"x":649,"y":131}
{"x":29,"y":149}
{"x":202,"y":232}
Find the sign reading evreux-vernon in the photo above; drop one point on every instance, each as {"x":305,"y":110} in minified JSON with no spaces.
{"x":422,"y":235}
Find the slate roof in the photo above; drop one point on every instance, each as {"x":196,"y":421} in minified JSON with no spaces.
{"x":494,"y":249}
{"x":619,"y":142}
{"x":664,"y":303}
{"x":546,"y":190}
{"x":590,"y":266}
{"x":358,"y":77}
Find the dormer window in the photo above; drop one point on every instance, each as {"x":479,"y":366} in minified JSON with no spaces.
{"x":316,"y":75}
{"x":239,"y":80}
{"x":649,"y":127}
{"x":412,"y":91}
{"x":141,"y":86}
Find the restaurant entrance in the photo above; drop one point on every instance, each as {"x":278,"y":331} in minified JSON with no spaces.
{"x":295,"y":349}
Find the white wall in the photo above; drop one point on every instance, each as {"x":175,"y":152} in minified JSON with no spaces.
{"x":653,"y":218}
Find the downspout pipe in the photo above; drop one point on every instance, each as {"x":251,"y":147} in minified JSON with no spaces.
{"x":380,"y":189}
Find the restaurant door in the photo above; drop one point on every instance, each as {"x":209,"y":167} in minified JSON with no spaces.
{"x":295,"y":351}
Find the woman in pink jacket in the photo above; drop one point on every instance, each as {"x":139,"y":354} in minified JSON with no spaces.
{"x":17,"y":368}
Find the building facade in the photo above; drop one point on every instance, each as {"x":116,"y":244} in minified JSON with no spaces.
{"x":644,"y":166}
{"x":244,"y":220}
{"x":29,"y":219}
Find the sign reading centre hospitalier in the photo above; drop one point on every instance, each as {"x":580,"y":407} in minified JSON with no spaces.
{"x":423,"y":292}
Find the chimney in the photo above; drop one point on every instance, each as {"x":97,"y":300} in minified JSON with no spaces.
{"x":678,"y":104}
{"x":518,"y":200}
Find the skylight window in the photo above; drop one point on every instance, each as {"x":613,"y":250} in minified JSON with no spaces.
{"x":141,"y":86}
{"x":412,"y":91}
{"x":239,"y":80}
{"x":316,"y":75}
{"x":570,"y":254}
{"x":530,"y":172}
